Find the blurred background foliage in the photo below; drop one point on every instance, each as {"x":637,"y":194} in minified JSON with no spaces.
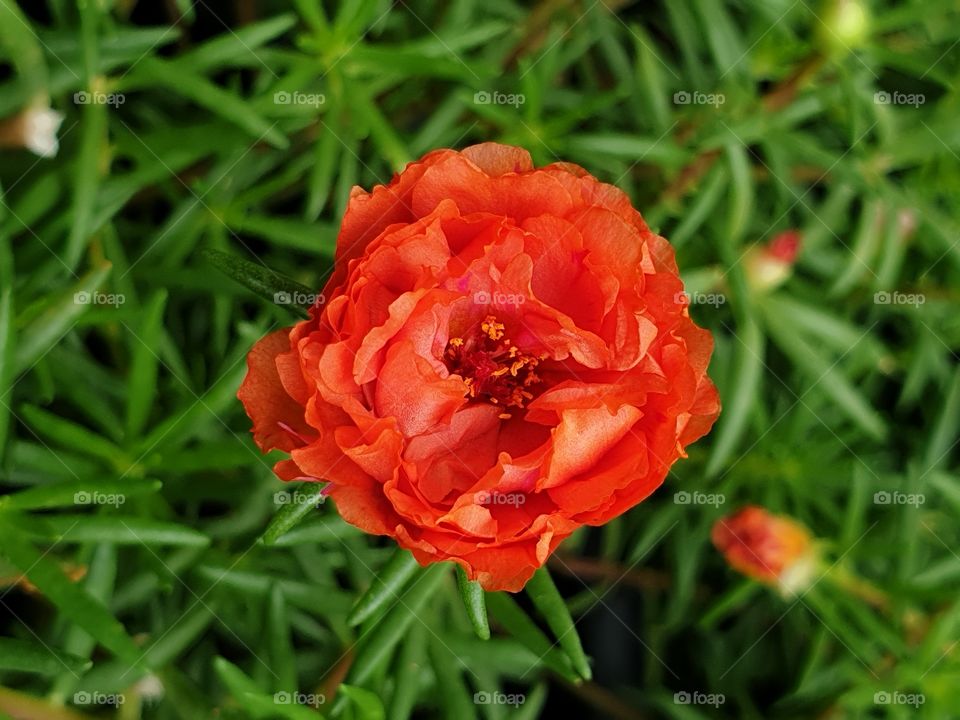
{"x":241,"y":127}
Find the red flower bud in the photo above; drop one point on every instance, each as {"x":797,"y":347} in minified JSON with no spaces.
{"x":773,"y":549}
{"x":768,"y":266}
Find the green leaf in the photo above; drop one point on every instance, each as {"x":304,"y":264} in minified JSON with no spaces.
{"x":865,"y":246}
{"x":386,"y":587}
{"x":282,"y":656}
{"x":7,"y":345}
{"x":314,"y":15}
{"x":79,"y":492}
{"x":365,"y":704}
{"x":31,"y":657}
{"x":142,"y":378}
{"x":72,"y":436}
{"x":741,"y":191}
{"x":473,"y":600}
{"x":252,"y":697}
{"x":744,"y":390}
{"x":173,"y":641}
{"x":408,"y":671}
{"x":722,"y":36}
{"x":517,"y":623}
{"x":627,"y":147}
{"x":59,"y":318}
{"x":826,"y":374}
{"x":279,"y":704}
{"x":264,"y":282}
{"x":173,"y":77}
{"x":237,"y":46}
{"x":307,"y":236}
{"x":326,"y":149}
{"x":308,"y":497}
{"x":706,"y":199}
{"x":553,"y":609}
{"x":73,"y":603}
{"x":943,"y":437}
{"x":454,"y":696}
{"x":237,"y":682}
{"x":123,"y":530}
{"x":384,"y":136}
{"x":327,"y":530}
{"x":380,"y":641}
{"x":20,"y":44}
{"x":86,"y":180}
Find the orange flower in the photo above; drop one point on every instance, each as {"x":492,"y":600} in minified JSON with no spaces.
{"x":498,"y":359}
{"x":770,"y":548}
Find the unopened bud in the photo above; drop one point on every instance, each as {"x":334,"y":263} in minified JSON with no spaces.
{"x":773,"y":549}
{"x":769,"y":266}
{"x":34,"y":129}
{"x":844,"y":25}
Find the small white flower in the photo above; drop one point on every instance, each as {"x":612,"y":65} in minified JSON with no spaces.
{"x":39,"y":126}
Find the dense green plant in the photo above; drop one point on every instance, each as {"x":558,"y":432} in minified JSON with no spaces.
{"x":165,"y":565}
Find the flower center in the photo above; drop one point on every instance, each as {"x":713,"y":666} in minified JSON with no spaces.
{"x":494,"y":369}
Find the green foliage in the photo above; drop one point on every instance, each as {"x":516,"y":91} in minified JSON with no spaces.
{"x":147,"y":552}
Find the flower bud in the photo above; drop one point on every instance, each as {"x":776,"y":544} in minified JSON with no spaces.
{"x":772,"y":549}
{"x":34,"y":129}
{"x":769,"y":266}
{"x":843,"y":26}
